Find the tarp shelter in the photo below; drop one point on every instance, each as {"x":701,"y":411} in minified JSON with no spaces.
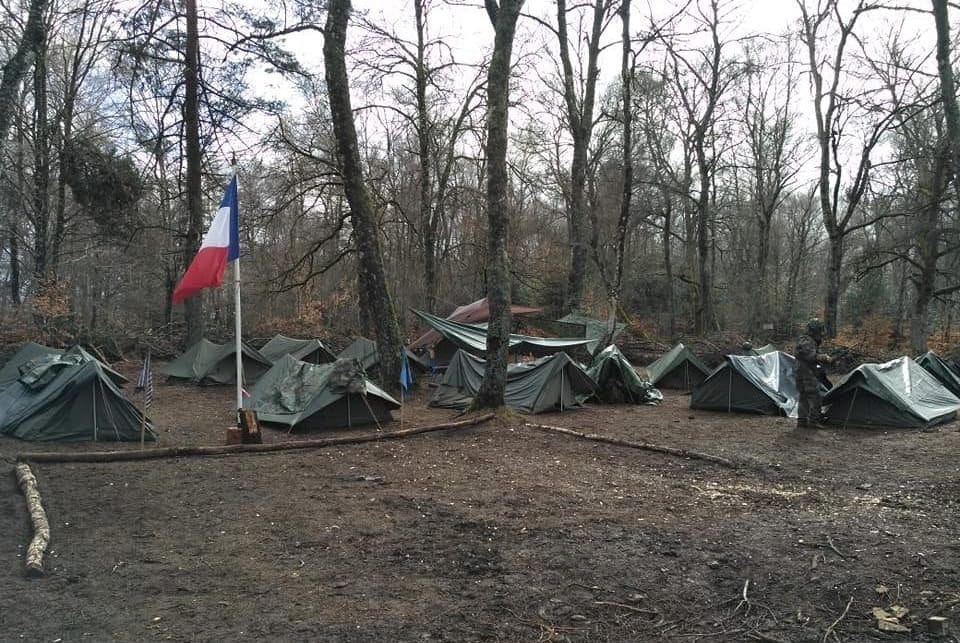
{"x":314,"y":396}
{"x":474,"y":339}
{"x":305,"y":350}
{"x":764,"y":384}
{"x":617,"y":380}
{"x":553,"y":383}
{"x":679,"y":368}
{"x":763,"y":350}
{"x":68,"y":396}
{"x":898,"y":393}
{"x":362,"y":350}
{"x":208,"y":363}
{"x":940,"y":369}
{"x":596,"y":330}
{"x":31,"y":350}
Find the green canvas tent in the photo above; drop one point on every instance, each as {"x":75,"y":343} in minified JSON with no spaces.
{"x":474,"y":339}
{"x":68,"y":396}
{"x":315,"y":396}
{"x":596,"y":330}
{"x":362,"y":350}
{"x":553,"y":383}
{"x":31,"y":350}
{"x":679,"y":369}
{"x":764,"y":384}
{"x":617,"y":380}
{"x":940,"y":369}
{"x":208,"y":363}
{"x":305,"y":350}
{"x":898,"y":393}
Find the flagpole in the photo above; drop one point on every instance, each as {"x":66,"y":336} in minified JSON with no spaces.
{"x":238,"y":326}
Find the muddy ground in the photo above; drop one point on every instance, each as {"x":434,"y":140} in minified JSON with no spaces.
{"x":499,"y":532}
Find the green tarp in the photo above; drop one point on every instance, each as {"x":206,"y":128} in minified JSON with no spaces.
{"x":362,"y":350}
{"x":305,"y":350}
{"x":898,"y":393}
{"x":617,"y":380}
{"x":763,"y":350}
{"x":311,"y":396}
{"x":679,"y":368}
{"x":68,"y":396}
{"x":553,"y":383}
{"x":31,"y":350}
{"x":471,"y":338}
{"x":764,"y":384}
{"x":940,"y":369}
{"x":595,"y":330}
{"x":208,"y":363}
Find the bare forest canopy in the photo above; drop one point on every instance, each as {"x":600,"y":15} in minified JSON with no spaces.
{"x":710,"y":168}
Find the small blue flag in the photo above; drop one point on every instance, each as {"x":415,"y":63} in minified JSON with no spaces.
{"x":406,"y":375}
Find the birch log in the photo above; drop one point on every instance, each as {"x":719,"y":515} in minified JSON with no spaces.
{"x":41,"y":528}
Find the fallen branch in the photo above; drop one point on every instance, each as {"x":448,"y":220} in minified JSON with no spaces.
{"x":834,"y":547}
{"x":683,"y":453}
{"x":238,"y":449}
{"x":41,"y":528}
{"x":829,"y":631}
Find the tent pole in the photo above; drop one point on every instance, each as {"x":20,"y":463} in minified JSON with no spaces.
{"x":238,"y":322}
{"x":850,"y":408}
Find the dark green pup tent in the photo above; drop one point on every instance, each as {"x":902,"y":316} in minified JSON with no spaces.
{"x":617,"y":381}
{"x":596,"y":330}
{"x":31,"y":350}
{"x":898,"y":393}
{"x":553,"y":383}
{"x":318,"y":396}
{"x":68,"y":396}
{"x":940,"y":369}
{"x":764,"y":384}
{"x":305,"y":350}
{"x":679,"y":368}
{"x":208,"y":363}
{"x":362,"y":350}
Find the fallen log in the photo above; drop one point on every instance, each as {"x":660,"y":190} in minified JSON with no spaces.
{"x":238,"y":449}
{"x":41,"y":528}
{"x":683,"y":453}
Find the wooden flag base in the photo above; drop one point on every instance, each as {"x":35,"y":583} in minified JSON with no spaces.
{"x":249,"y":427}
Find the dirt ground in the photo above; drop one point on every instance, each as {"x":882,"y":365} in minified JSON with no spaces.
{"x":498,"y":532}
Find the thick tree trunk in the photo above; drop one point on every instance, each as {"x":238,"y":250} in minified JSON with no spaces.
{"x":375,"y":297}
{"x":947,"y":88}
{"x":504,"y":18}
{"x":831,"y":303}
{"x":41,"y":164}
{"x":704,"y":313}
{"x":15,"y":69}
{"x":427,"y":218}
{"x":193,"y":306}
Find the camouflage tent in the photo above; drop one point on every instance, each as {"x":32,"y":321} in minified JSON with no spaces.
{"x":617,"y":380}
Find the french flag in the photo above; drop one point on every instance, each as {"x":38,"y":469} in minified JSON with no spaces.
{"x":220,"y":245}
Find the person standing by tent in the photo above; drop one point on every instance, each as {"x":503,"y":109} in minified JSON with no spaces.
{"x":808,"y":385}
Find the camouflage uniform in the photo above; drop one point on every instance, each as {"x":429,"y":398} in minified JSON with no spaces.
{"x":808,"y":411}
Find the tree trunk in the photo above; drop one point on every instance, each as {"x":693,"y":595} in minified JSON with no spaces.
{"x":928,"y":233}
{"x":504,"y":18}
{"x":41,"y":164}
{"x":15,"y":69}
{"x":831,"y":303}
{"x":427,"y":219}
{"x":947,"y":90}
{"x":193,"y":306}
{"x":668,"y":264}
{"x":375,"y":297}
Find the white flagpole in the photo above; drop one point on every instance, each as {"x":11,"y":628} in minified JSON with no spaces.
{"x":238,"y":326}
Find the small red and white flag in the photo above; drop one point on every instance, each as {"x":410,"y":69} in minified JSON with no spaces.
{"x":220,"y":245}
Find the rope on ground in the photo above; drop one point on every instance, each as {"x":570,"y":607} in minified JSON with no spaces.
{"x":683,"y":453}
{"x":239,"y":449}
{"x":41,"y":528}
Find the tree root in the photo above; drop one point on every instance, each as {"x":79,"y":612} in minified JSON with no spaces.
{"x":682,"y":453}
{"x":239,"y":449}
{"x":41,"y":528}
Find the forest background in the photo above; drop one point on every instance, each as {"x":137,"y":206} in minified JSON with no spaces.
{"x":783,"y":163}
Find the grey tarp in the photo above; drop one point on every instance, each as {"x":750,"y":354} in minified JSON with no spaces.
{"x":617,"y":380}
{"x":362,"y":350}
{"x":763,"y":350}
{"x":940,"y":369}
{"x":547,"y":384}
{"x":679,"y":368}
{"x":472,"y":338}
{"x":31,"y":350}
{"x":69,"y":396}
{"x":898,"y":393}
{"x":596,"y":330}
{"x":305,"y":350}
{"x":751,"y":384}
{"x":310,"y":396}
{"x":208,"y":363}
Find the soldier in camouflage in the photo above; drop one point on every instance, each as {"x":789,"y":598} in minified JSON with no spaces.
{"x":808,"y":346}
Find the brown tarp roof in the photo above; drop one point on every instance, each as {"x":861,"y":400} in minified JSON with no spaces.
{"x":478,"y":311}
